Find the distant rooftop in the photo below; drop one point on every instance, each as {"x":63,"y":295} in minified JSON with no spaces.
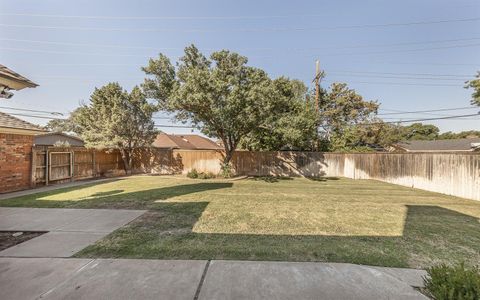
{"x":185,"y":141}
{"x":10,"y":122}
{"x":440,"y":145}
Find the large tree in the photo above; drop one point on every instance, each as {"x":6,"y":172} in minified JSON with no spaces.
{"x":222,"y":96}
{"x":343,"y":112}
{"x":475,"y":85}
{"x":116,"y":119}
{"x":291,"y":123}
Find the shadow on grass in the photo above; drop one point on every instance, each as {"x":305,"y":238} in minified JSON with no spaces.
{"x":144,"y":199}
{"x":272,"y":179}
{"x":431,"y":235}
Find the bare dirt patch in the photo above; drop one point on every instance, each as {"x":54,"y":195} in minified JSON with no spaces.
{"x":11,"y":238}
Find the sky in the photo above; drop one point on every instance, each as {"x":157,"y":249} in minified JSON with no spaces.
{"x":408,"y":55}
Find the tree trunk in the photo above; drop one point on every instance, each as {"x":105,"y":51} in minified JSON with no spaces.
{"x":228,"y":156}
{"x":126,"y":161}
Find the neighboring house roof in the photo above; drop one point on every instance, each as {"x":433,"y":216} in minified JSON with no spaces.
{"x":51,"y":138}
{"x":185,"y":141}
{"x":11,"y":124}
{"x":13,"y":80}
{"x":440,"y":145}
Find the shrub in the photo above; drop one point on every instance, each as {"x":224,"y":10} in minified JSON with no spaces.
{"x":192,"y":174}
{"x":453,"y":282}
{"x":226,"y":171}
{"x":206,"y":175}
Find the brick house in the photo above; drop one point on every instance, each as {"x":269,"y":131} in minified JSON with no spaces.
{"x":16,"y":141}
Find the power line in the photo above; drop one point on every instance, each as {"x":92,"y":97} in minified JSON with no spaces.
{"x":33,"y":110}
{"x":399,"y":112}
{"x":251,"y":56}
{"x":362,"y":26}
{"x":401,"y":83}
{"x":164,"y":17}
{"x":36,"y":116}
{"x":413,"y":74}
{"x":430,"y":119}
{"x":173,"y":126}
{"x":52,"y":118}
{"x":337,"y":74}
{"x":255,"y":49}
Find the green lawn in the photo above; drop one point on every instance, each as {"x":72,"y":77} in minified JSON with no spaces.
{"x":334,"y":220}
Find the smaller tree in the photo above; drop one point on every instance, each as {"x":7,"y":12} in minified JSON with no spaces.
{"x":475,"y":85}
{"x":117,"y":119}
{"x":419,"y":131}
{"x":342,"y":113}
{"x":290,"y":123}
{"x":64,"y":125}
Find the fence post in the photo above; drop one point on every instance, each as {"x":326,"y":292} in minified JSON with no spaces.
{"x":33,"y":165}
{"x":72,"y":165}
{"x":47,"y":166}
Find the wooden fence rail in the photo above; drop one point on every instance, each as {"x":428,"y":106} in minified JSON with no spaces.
{"x":52,"y":165}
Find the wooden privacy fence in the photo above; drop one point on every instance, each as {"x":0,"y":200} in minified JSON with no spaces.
{"x":56,"y":165}
{"x":455,"y":174}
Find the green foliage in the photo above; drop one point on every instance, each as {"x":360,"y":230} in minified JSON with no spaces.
{"x":475,"y":85}
{"x":206,"y":175}
{"x":345,"y":116}
{"x":453,"y":282}
{"x":192,"y":174}
{"x":225,"y":98}
{"x":64,"y":125}
{"x":460,"y":135}
{"x":116,"y":119}
{"x":419,"y":131}
{"x":227,"y":171}
{"x":291,"y":123}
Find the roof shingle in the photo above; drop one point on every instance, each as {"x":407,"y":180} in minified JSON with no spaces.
{"x":185,"y":141}
{"x":8,"y":121}
{"x":440,"y":145}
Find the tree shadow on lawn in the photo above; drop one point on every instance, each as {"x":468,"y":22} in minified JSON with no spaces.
{"x":273,"y":179}
{"x":144,"y":199}
{"x":431,"y":235}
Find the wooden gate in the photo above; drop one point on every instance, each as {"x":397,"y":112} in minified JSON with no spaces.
{"x":60,"y":165}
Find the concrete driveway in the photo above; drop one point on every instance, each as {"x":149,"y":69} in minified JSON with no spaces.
{"x":68,"y":230}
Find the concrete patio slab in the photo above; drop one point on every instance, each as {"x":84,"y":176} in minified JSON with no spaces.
{"x":60,"y":278}
{"x":23,"y":278}
{"x":54,"y":244}
{"x":132,"y":279}
{"x":292,"y":280}
{"x":69,"y":230}
{"x":100,"y":220}
{"x":64,"y":219}
{"x":70,"y":278}
{"x":410,"y":276}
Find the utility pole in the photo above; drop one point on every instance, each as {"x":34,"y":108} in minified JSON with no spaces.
{"x":317,"y":85}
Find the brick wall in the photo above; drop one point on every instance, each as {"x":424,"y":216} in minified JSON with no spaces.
{"x":15,"y":161}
